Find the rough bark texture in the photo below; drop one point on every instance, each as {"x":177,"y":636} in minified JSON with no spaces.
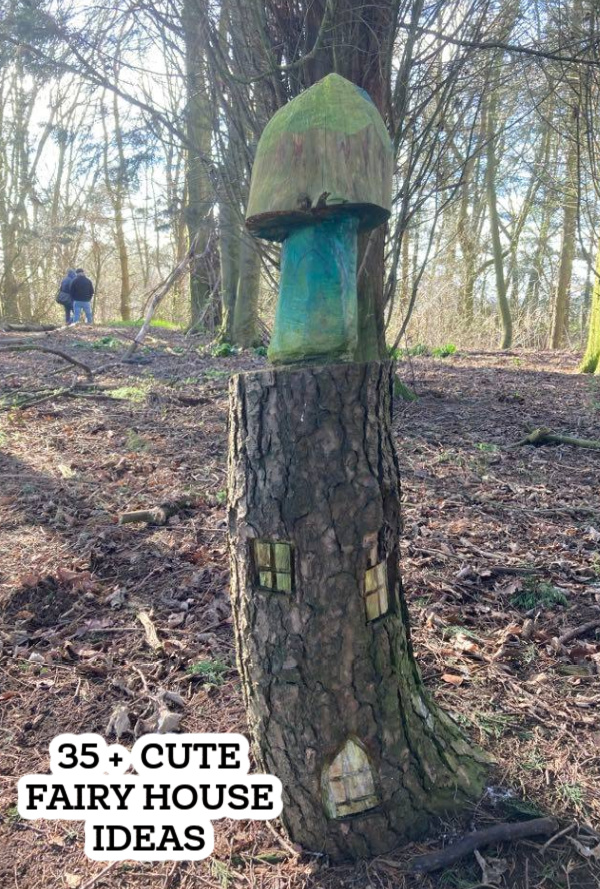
{"x":591,"y":360}
{"x":312,"y":463}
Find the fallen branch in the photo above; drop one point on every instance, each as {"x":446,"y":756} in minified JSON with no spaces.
{"x":150,"y":630}
{"x":500,"y":833}
{"x":545,"y":436}
{"x":31,"y":328}
{"x":579,"y":631}
{"x":47,"y":350}
{"x":156,"y":515}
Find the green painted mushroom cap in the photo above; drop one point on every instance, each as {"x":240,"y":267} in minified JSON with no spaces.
{"x":326,"y":153}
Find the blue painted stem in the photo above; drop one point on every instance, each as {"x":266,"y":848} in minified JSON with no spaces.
{"x":316,"y":317}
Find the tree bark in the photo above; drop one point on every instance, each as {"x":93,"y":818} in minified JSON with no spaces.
{"x":490,"y":176}
{"x":591,"y":360}
{"x":560,"y":318}
{"x":312,"y":466}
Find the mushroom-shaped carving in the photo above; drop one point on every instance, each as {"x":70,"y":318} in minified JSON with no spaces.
{"x":322,"y":173}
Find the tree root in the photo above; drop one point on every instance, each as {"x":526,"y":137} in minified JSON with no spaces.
{"x":545,"y":436}
{"x":499,"y":833}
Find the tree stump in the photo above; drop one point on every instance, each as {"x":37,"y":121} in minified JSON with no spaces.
{"x":334,"y":699}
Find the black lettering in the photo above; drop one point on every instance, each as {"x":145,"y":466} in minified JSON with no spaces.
{"x":98,"y":847}
{"x":162,"y":794}
{"x":175,"y":797}
{"x":143,"y":834}
{"x":171,"y":748}
{"x":206,"y":789}
{"x":240,"y":793}
{"x":112,"y":844}
{"x":204,"y":748}
{"x":122,"y":794}
{"x":228,"y":751}
{"x":35,"y":797}
{"x":169,"y":836}
{"x":59,"y":795}
{"x":98,"y":794}
{"x":195,"y":836}
{"x":144,"y":756}
{"x":261,"y":792}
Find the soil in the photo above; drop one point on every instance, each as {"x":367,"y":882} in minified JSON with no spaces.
{"x":500,"y":557}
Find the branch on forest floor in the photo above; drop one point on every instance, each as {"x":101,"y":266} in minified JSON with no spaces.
{"x":31,"y":328}
{"x":150,"y":630}
{"x":157,"y":515}
{"x":499,"y":833}
{"x":26,"y":347}
{"x":579,"y":631}
{"x":545,"y":436}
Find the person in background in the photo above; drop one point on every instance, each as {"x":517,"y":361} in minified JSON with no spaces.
{"x":64,"y":297}
{"x":82,"y":291}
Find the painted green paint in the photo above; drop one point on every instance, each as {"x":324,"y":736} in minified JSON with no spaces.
{"x":316,"y":317}
{"x":333,"y":104}
{"x":325,"y":153}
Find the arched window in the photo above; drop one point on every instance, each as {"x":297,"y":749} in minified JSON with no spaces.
{"x":348,"y":785}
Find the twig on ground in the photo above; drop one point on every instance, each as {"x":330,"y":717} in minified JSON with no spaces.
{"x":282,"y":841}
{"x":150,"y":630}
{"x":499,"y":833}
{"x":99,"y":875}
{"x":156,"y":515}
{"x":557,"y":836}
{"x":579,"y":631}
{"x":544,"y":436}
{"x":47,"y":350}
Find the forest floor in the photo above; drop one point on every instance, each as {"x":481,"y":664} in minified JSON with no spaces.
{"x":501,"y":555}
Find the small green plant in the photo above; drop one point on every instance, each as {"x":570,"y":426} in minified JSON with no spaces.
{"x":106,"y":342}
{"x":12,"y":815}
{"x":128,"y":393}
{"x":517,"y":362}
{"x":538,"y":594}
{"x":572,"y":793}
{"x":594,"y":561}
{"x":419,"y":350}
{"x":210,"y":671}
{"x":534,"y":762}
{"x":221,"y":497}
{"x":487,"y":448}
{"x":136,"y":442}
{"x":444,"y":351}
{"x":401,"y":390}
{"x":223,"y":350}
{"x":261,"y":351}
{"x":222,"y":873}
{"x":395,"y":353}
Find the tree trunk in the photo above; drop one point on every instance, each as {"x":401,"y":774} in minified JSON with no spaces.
{"x":229,"y":249}
{"x":591,"y":360}
{"x":245,"y":316}
{"x":490,"y":177}
{"x":199,"y":128}
{"x":560,"y":318}
{"x":335,"y":703}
